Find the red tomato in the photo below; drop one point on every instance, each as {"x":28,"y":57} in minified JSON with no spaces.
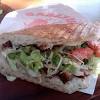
{"x":82,"y":53}
{"x":97,"y":53}
{"x":95,"y":45}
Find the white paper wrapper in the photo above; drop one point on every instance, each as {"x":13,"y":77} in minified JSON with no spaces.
{"x":92,"y":83}
{"x":52,"y":14}
{"x":28,"y":17}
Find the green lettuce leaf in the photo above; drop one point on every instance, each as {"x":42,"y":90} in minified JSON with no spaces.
{"x":68,"y":67}
{"x":23,"y":58}
{"x":36,"y":56}
{"x":92,"y":63}
{"x":55,"y":58}
{"x":14,"y":55}
{"x":37,"y":66}
{"x":12,"y":64}
{"x":32,"y":61}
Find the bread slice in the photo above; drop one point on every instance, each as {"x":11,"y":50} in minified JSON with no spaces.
{"x":57,"y":34}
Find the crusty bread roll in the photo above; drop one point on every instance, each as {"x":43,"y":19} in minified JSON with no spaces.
{"x":50,"y":35}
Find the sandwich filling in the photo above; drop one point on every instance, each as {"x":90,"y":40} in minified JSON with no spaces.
{"x":64,"y":62}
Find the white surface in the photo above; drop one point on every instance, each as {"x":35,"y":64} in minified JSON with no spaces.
{"x":18,"y":20}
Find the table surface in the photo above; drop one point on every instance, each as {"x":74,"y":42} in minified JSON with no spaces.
{"x":22,"y":90}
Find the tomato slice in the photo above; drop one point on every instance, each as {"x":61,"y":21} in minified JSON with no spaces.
{"x":97,"y":53}
{"x":82,"y":53}
{"x":95,"y":46}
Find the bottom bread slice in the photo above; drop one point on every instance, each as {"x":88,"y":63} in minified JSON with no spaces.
{"x":54,"y":83}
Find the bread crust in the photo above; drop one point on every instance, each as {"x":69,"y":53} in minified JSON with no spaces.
{"x":56,"y":34}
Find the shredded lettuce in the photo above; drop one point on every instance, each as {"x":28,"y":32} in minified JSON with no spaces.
{"x":56,"y":61}
{"x":56,"y":58}
{"x":69,"y":67}
{"x":14,"y":55}
{"x":36,"y":56}
{"x":37,"y":66}
{"x":12,"y":63}
{"x":66,"y":60}
{"x":24,"y":59}
{"x":93,"y":62}
{"x":32,"y":61}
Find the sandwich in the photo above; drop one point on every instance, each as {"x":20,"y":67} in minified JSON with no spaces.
{"x":56,"y":56}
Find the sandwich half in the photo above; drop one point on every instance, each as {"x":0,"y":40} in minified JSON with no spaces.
{"x":56,"y":56}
